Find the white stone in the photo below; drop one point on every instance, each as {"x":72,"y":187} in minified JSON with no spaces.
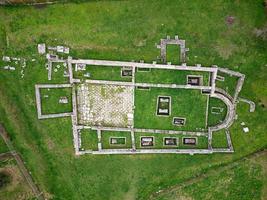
{"x":41,"y":48}
{"x":66,"y":74}
{"x":130,"y":116}
{"x":63,"y":100}
{"x":80,"y":67}
{"x":66,"y":50}
{"x":87,"y":75}
{"x":246,"y":129}
{"x":60,"y":49}
{"x":9,"y":68}
{"x":6,"y":58}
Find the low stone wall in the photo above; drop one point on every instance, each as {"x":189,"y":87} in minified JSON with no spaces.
{"x":28,"y":2}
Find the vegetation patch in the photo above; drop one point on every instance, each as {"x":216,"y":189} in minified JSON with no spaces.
{"x":183,"y":104}
{"x":89,"y":139}
{"x":217,"y":111}
{"x":60,"y":72}
{"x":3,"y":147}
{"x":219,"y":139}
{"x":109,"y":73}
{"x":53,"y":100}
{"x":173,"y":54}
{"x":169,"y":76}
{"x":109,"y":30}
{"x":12,"y":183}
{"x":242,"y":180}
{"x":124,"y":139}
{"x":159,"y":141}
{"x":228,"y":84}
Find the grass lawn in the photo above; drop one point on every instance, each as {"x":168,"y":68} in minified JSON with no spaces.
{"x":202,"y":142}
{"x":246,"y":180}
{"x":3,"y":147}
{"x":229,"y":83}
{"x":50,"y":100}
{"x":219,"y":139}
{"x":89,"y":139}
{"x":58,"y":72}
{"x":127,"y":30}
{"x":106,"y":135}
{"x":183,"y":104}
{"x":168,"y":76}
{"x":173,"y":54}
{"x":109,"y":73}
{"x":217,"y":117}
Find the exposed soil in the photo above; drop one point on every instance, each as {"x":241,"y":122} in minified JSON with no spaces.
{"x":40,"y":6}
{"x":5,"y":179}
{"x":230,"y":20}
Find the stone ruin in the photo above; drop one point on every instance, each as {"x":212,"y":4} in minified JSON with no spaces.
{"x":168,"y":41}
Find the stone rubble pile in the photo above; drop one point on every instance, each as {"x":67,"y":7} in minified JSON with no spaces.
{"x":15,"y":62}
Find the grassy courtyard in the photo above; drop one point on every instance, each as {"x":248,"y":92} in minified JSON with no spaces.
{"x":217,"y":111}
{"x":50,"y":100}
{"x":182,"y":105}
{"x":173,"y":54}
{"x":202,"y":142}
{"x":219,"y":139}
{"x":128,"y":30}
{"x":106,"y":135}
{"x":89,"y":139}
{"x":110,"y":73}
{"x":229,"y":83}
{"x":58,"y":70}
{"x":168,"y":76}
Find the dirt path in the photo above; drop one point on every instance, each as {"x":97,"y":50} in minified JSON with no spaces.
{"x":6,"y":155}
{"x":20,"y":163}
{"x":201,"y":177}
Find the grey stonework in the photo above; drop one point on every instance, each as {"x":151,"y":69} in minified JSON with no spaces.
{"x":90,"y":112}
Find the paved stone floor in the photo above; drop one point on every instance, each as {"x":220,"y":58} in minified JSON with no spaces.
{"x":105,"y":105}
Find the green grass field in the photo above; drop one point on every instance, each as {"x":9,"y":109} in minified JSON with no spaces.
{"x":173,"y":54}
{"x":128,"y":30}
{"x":50,"y":100}
{"x":219,"y":139}
{"x":3,"y":147}
{"x":106,"y":135}
{"x":57,"y":73}
{"x":202,"y":142}
{"x":217,"y":117}
{"x":182,"y":105}
{"x":111,"y":73}
{"x":229,"y":83}
{"x":89,"y":139}
{"x":168,"y":76}
{"x":245,"y":180}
